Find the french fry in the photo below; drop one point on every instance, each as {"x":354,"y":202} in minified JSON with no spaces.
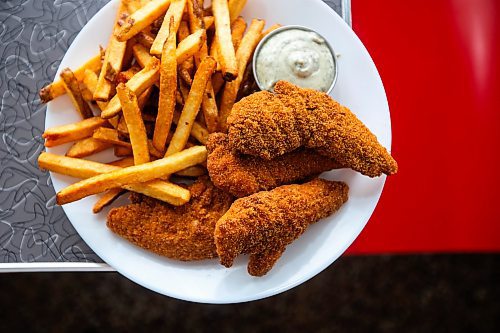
{"x":87,"y":147}
{"x":132,"y":5}
{"x":110,"y":135}
{"x":190,"y":45}
{"x":123,"y":162}
{"x":235,"y":8}
{"x":72,"y":132}
{"x":144,"y":97}
{"x":107,"y":199}
{"x":198,"y":132}
{"x":137,"y":84}
{"x":141,"y":19}
{"x":82,"y":169}
{"x":194,"y":171}
{"x":186,"y":67}
{"x":238,"y":28}
{"x":135,"y":124}
{"x":217,"y":82}
{"x":184,"y":90}
{"x":56,"y":88}
{"x":86,"y":94}
{"x":73,"y":89}
{"x":168,"y":88}
{"x":186,"y":48}
{"x":145,"y":38}
{"x":155,"y":152}
{"x":121,"y":151}
{"x":209,"y":105}
{"x":208,"y":22}
{"x":175,"y":11}
{"x":116,"y":58}
{"x":195,"y":15}
{"x":141,"y":55}
{"x":191,"y":106}
{"x":90,"y":82}
{"x":133,"y":175}
{"x":113,"y":61}
{"x":270,"y":29}
{"x":122,"y":127}
{"x":244,"y":54}
{"x":124,"y":76}
{"x":227,"y":55}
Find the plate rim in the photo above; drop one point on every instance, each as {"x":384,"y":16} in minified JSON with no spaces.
{"x":270,"y":291}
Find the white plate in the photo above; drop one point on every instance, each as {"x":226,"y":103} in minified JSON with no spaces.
{"x":359,"y":87}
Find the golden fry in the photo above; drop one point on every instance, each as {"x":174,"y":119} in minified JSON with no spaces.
{"x":87,"y":147}
{"x":238,"y":28}
{"x":72,"y":132}
{"x":194,"y":171}
{"x":132,"y":175}
{"x":175,"y":11}
{"x":138,"y":84}
{"x":270,"y":29}
{"x":191,"y":106}
{"x":82,"y":169}
{"x":107,"y":199}
{"x":187,"y":66}
{"x":208,"y":22}
{"x":144,"y":98}
{"x":227,"y":55}
{"x":217,"y":82}
{"x":56,"y":88}
{"x":123,"y":162}
{"x":90,"y":82}
{"x":199,"y":132}
{"x":141,"y":55}
{"x":168,"y":88}
{"x":244,"y":54}
{"x":121,"y":151}
{"x":124,"y":76}
{"x":190,"y":45}
{"x":135,"y":124}
{"x":235,"y":8}
{"x":141,"y":19}
{"x":73,"y":89}
{"x":132,"y":5}
{"x":122,"y":127}
{"x":110,"y":135}
{"x":145,"y":38}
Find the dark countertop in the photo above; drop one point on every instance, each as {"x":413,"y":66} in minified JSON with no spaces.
{"x":427,"y":293}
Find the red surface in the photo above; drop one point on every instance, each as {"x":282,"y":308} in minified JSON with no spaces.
{"x":440,"y":64}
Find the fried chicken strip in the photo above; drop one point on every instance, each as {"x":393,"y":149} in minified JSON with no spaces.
{"x":264,"y":223}
{"x":184,"y":233}
{"x":243,"y":175}
{"x":268,"y":126}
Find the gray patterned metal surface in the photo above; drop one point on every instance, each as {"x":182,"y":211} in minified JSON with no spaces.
{"x":34,"y":36}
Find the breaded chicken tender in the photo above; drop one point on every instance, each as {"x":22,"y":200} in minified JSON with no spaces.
{"x":242,"y":175}
{"x":264,"y":223}
{"x":184,"y":233}
{"x":306,"y":118}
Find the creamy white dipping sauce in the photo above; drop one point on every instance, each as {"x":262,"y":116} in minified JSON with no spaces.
{"x":298,"y":56}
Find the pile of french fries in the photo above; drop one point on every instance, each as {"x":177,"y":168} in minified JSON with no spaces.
{"x":142,"y":94}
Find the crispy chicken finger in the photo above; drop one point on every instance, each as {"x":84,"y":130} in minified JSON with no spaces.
{"x":264,"y":223}
{"x":311,"y":119}
{"x":184,"y":233}
{"x":243,"y":175}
